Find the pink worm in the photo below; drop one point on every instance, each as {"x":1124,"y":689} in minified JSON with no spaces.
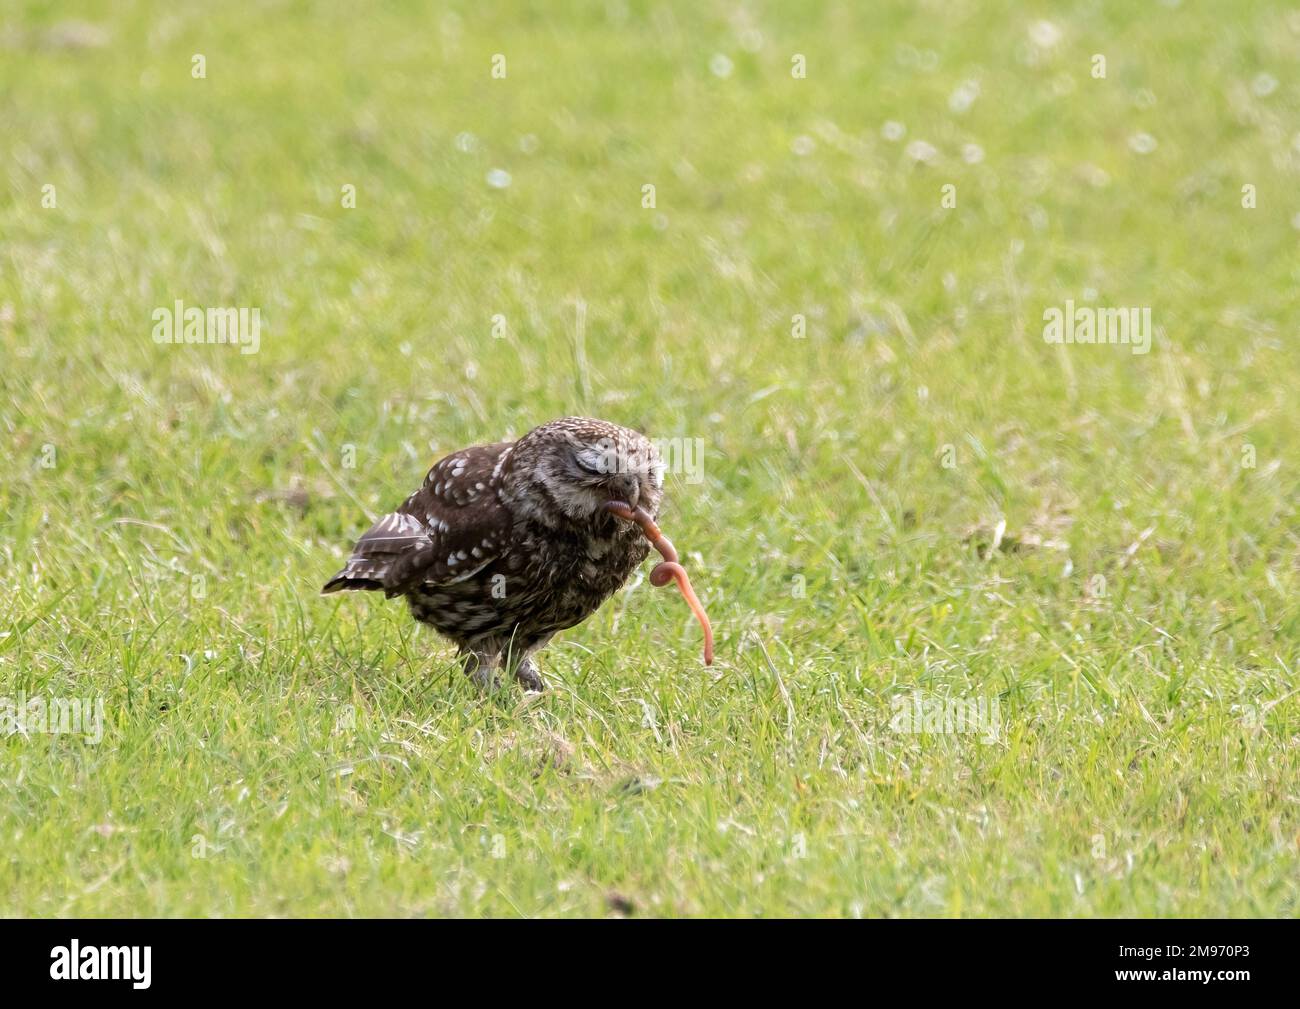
{"x":669,"y":569}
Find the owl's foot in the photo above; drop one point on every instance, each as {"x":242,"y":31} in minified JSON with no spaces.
{"x":480,"y":668}
{"x":528,"y":677}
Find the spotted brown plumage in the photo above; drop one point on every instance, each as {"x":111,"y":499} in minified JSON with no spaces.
{"x":506,"y":544}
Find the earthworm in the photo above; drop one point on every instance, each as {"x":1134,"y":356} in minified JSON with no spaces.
{"x":669,"y":569}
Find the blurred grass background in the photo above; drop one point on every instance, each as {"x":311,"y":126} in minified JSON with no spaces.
{"x":168,"y":513}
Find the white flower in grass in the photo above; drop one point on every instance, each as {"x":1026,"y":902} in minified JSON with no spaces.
{"x":972,"y":154}
{"x":1044,"y":34}
{"x":964,"y":97}
{"x":893,"y":130}
{"x":498,"y":178}
{"x":1142,"y":143}
{"x":721,"y":65}
{"x":803,"y":145}
{"x":919,"y":150}
{"x":466,"y":142}
{"x":1263,"y":85}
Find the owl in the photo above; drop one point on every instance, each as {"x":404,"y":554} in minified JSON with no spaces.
{"x":506,"y":544}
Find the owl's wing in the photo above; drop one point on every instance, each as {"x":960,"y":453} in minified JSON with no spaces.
{"x":447,"y":531}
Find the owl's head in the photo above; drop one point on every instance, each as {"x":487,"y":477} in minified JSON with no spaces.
{"x":582,"y":464}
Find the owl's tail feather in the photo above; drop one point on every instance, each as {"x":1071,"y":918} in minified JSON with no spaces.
{"x":357,"y":576}
{"x":391,"y":556}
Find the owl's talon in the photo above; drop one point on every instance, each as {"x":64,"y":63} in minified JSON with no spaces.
{"x":526,"y":673}
{"x":479,"y":667}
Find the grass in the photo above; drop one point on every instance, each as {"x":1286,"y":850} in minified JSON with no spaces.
{"x":919,"y":498}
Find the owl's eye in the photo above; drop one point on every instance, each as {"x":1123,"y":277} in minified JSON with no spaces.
{"x":586,"y":466}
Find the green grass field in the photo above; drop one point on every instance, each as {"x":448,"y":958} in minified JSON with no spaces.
{"x":917,"y":500}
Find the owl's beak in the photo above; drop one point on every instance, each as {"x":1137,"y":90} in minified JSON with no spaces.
{"x":624,"y":487}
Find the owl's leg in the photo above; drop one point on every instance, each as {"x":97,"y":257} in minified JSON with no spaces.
{"x":479,"y":666}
